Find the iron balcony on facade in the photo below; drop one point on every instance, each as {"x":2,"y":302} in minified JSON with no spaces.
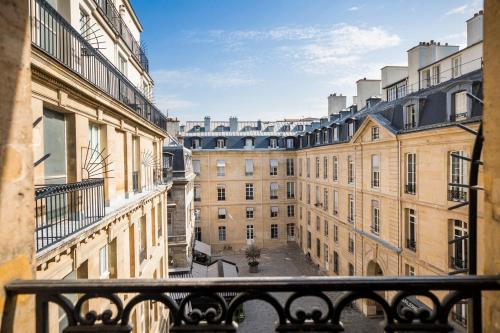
{"x":168,"y":175}
{"x":458,"y":116}
{"x":176,"y":239}
{"x":54,"y":36}
{"x":457,"y":193}
{"x":411,"y":244}
{"x":458,"y":263}
{"x":62,"y":210}
{"x":411,"y":188}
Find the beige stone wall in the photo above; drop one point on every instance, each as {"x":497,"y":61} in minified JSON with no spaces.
{"x":236,"y":204}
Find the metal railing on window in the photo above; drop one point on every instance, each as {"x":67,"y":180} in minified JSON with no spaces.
{"x":54,"y":36}
{"x":459,"y":116}
{"x":457,"y":193}
{"x":411,"y":244}
{"x":458,"y":263}
{"x":411,"y":188}
{"x":109,"y":11}
{"x":62,"y":210}
{"x":176,"y":238}
{"x":135,"y":181}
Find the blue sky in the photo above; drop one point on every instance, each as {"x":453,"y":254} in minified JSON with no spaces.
{"x":271,"y":59}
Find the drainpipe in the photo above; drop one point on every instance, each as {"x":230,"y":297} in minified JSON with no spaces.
{"x":400,"y":240}
{"x":209,"y":200}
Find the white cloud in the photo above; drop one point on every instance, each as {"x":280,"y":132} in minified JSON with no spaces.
{"x":171,"y":102}
{"x":457,"y":10}
{"x":354,"y":8}
{"x":467,"y":8}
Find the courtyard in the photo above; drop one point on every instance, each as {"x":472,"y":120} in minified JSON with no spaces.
{"x":289,"y":261}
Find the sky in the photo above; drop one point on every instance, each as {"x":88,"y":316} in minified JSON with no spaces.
{"x":275,"y":59}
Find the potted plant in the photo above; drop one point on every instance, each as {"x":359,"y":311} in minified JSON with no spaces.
{"x":252,"y":253}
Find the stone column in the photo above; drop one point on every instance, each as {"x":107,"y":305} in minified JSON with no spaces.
{"x":16,"y":160}
{"x":489,"y":232}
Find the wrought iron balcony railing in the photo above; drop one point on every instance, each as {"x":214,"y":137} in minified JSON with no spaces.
{"x":411,"y":244}
{"x":411,"y":188}
{"x":458,"y":263}
{"x":109,"y":11}
{"x":176,"y":238}
{"x":457,"y":193}
{"x":64,"y":209}
{"x":54,"y":36}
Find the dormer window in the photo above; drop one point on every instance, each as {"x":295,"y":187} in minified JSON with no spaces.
{"x":350,"y":129}
{"x":273,"y":143}
{"x":436,"y":70}
{"x":196,"y":143}
{"x":308,"y":140}
{"x":249,"y":143}
{"x":221,"y":143}
{"x":460,"y":111}
{"x":325,"y":136}
{"x":317,"y":138}
{"x":410,"y":116}
{"x":335,"y":133}
{"x":392,"y":93}
{"x":286,"y":128}
{"x":375,"y":133}
{"x":289,"y":143}
{"x":300,"y":128}
{"x":426,"y":78}
{"x":456,"y":67}
{"x":196,"y":128}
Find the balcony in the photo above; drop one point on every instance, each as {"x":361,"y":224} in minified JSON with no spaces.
{"x":113,"y":17}
{"x":168,"y":175}
{"x":458,"y":263}
{"x":411,"y":188}
{"x":459,"y":116}
{"x":457,"y":193}
{"x":63,"y":210}
{"x":206,"y":306}
{"x":411,"y":244}
{"x":176,"y":239}
{"x":54,"y":36}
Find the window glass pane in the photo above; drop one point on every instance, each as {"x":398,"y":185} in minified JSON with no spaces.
{"x":55,"y":145}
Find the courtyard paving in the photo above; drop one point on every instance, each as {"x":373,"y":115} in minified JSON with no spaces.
{"x":289,"y":261}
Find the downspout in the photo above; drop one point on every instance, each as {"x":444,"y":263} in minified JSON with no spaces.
{"x":400,"y":221}
{"x":209,"y":200}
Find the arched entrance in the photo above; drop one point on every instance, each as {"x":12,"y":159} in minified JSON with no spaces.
{"x":373,"y":308}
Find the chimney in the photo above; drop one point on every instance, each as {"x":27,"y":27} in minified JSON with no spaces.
{"x":207,"y":124}
{"x":475,"y":28}
{"x":259,"y":125}
{"x":336,"y":103}
{"x":233,"y":124}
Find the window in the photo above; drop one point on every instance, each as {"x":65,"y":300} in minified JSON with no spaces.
{"x":221,"y":192}
{"x":273,"y":164}
{"x":411,"y":229}
{"x":350,"y":208}
{"x":249,"y":213}
{"x":350,"y":244}
{"x":457,"y":175}
{"x":197,"y":233}
{"x":325,"y":136}
{"x":426,"y":78}
{"x":122,"y":64}
{"x":317,"y":137}
{"x":94,"y":138}
{"x":290,"y":190}
{"x":289,"y":167}
{"x":197,"y":193}
{"x":196,"y":167}
{"x":308,"y":194}
{"x":325,"y":228}
{"x":249,"y":191}
{"x":249,"y":143}
{"x":300,"y":191}
{"x":318,"y":223}
{"x":274,"y":211}
{"x":459,"y":245}
{"x":222,"y":213}
{"x":318,"y":248}
{"x":222,"y":233}
{"x":335,"y":233}
{"x":308,"y":218}
{"x":335,"y":202}
{"x":325,"y":199}
{"x":54,"y":143}
{"x":104,"y":262}
{"x":460,"y":109}
{"x":248,"y":167}
{"x":308,"y":167}
{"x":456,"y":67}
{"x":375,"y":133}
{"x":289,"y":143}
{"x":195,"y":143}
{"x":350,"y":170}
{"x":459,"y":313}
{"x":197,"y":215}
{"x":350,"y":268}
{"x":308,"y":239}
{"x":335,"y":168}
{"x":300,"y":167}
{"x":410,"y":116}
{"x":411,"y":173}
{"x":335,"y":133}
{"x":435,"y":75}
{"x":300,"y":128}
{"x":221,"y":168}
{"x":273,"y":194}
{"x":221,"y":143}
{"x":274,"y":231}
{"x":325,"y":255}
{"x":401,"y":89}
{"x":335,"y":262}
{"x":249,"y":231}
{"x":350,"y":129}
{"x":300,"y":212}
{"x":392,"y":93}
{"x":291,"y":210}
{"x":409,"y":270}
{"x":317,"y":167}
{"x":317,"y":196}
{"x":375,"y":171}
{"x":375,"y":227}
{"x":325,"y":167}
{"x":273,"y":143}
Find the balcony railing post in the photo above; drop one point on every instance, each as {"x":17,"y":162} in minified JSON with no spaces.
{"x":41,"y":314}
